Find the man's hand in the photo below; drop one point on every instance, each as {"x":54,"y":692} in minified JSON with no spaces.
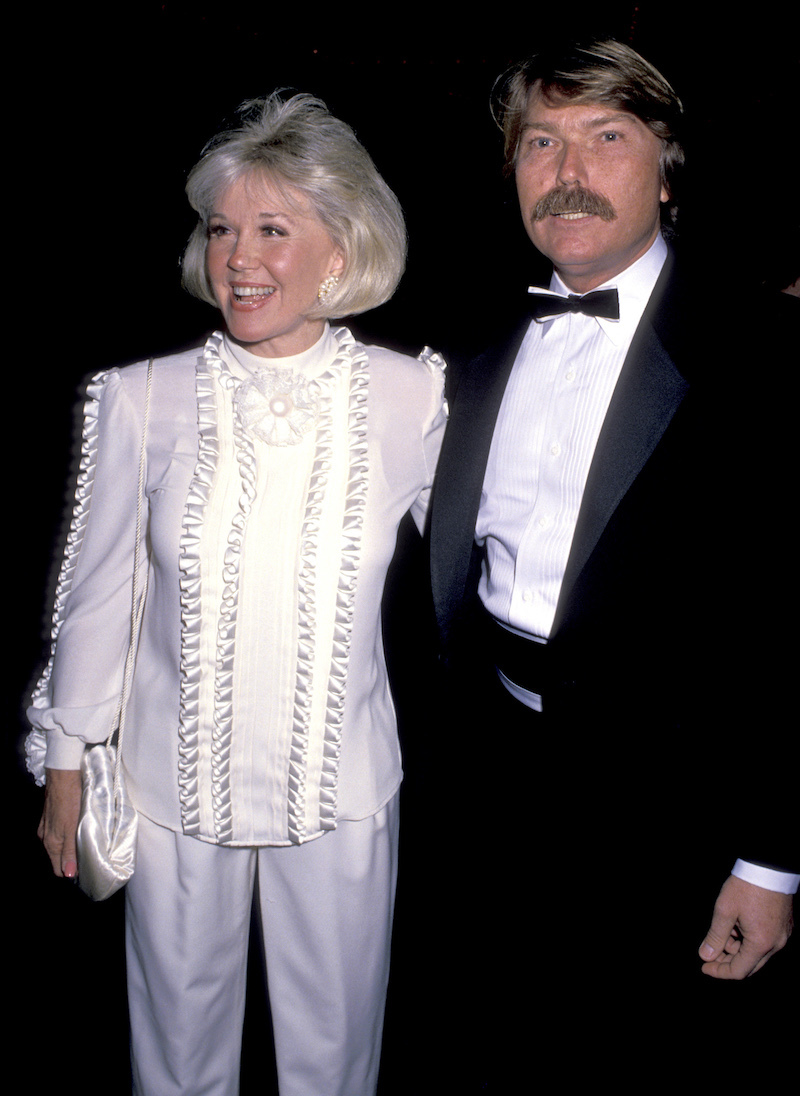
{"x":749,"y":925}
{"x":59,"y":824}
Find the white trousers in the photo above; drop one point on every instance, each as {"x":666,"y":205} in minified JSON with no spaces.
{"x":326,"y":913}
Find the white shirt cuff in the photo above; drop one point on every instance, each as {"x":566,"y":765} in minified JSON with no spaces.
{"x":769,"y":878}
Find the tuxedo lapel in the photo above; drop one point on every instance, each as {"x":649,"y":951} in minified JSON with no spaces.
{"x":648,"y":393}
{"x":461,"y":469}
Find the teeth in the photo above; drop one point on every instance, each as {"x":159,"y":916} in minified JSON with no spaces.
{"x":573,"y":216}
{"x":251,"y":291}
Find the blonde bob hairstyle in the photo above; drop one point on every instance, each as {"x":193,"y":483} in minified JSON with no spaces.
{"x":297,"y":144}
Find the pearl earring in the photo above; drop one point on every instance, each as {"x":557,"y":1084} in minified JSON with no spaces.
{"x":325,"y":288}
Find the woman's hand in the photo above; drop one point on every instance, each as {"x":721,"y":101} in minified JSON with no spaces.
{"x":59,"y":823}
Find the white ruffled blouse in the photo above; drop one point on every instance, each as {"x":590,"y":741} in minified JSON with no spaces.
{"x":260,"y":711}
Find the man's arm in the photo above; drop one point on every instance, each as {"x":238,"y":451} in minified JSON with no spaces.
{"x":750,"y":924}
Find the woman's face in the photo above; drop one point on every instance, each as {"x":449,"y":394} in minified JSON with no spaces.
{"x":267,"y":254}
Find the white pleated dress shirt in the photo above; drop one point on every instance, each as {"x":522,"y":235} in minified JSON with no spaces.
{"x":550,"y":419}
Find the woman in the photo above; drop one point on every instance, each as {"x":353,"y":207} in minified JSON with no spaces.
{"x":261,"y":749}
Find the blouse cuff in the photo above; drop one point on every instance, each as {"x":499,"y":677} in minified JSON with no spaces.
{"x":64,"y":751}
{"x":51,"y":750}
{"x":60,"y":735}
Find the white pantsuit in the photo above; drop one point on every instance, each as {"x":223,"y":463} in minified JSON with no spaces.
{"x":261,"y":737}
{"x":326,"y":916}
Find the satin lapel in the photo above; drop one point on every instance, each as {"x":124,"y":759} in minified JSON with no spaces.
{"x":648,"y":394}
{"x":460,"y":471}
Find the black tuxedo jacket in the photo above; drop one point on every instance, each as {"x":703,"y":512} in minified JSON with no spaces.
{"x":667,"y":647}
{"x":578,"y":852}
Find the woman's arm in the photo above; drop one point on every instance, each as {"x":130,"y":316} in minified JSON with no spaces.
{"x":76,"y":698}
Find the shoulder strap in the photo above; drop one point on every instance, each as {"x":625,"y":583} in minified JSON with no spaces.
{"x":139,"y":588}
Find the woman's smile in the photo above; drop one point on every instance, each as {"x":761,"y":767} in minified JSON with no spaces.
{"x":251,"y":294}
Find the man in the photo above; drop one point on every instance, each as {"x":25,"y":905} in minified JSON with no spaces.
{"x":600,"y":488}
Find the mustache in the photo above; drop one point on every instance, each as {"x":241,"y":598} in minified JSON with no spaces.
{"x":573,"y":199}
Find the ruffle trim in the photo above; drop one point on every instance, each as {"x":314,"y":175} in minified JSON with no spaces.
{"x":354,"y":356}
{"x":438,"y":367}
{"x":211,"y":371}
{"x":35,"y":743}
{"x":190,"y":586}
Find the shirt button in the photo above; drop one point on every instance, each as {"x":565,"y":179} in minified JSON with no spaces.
{"x":555,"y":449}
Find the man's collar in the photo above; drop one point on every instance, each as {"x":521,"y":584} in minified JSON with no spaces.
{"x":634,"y":286}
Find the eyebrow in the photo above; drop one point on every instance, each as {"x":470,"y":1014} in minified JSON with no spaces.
{"x":591,"y":123}
{"x":264,"y":213}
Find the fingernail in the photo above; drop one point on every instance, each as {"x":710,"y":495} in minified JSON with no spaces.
{"x":70,"y":869}
{"x":706,"y":951}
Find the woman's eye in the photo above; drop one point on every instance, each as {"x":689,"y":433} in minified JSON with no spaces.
{"x":217,"y":230}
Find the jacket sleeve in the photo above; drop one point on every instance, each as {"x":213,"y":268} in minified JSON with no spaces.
{"x":75,"y":700}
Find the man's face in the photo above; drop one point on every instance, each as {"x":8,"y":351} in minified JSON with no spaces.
{"x":589,"y":185}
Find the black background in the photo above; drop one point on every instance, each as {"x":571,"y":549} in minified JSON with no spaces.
{"x":107,"y":112}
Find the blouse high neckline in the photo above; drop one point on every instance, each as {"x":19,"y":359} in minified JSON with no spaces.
{"x":309,"y":363}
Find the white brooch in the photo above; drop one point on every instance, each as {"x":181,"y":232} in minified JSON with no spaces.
{"x":277,"y":406}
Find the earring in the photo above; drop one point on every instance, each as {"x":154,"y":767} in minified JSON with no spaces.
{"x":325,"y":288}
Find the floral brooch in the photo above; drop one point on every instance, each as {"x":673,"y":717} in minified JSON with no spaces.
{"x":277,"y":406}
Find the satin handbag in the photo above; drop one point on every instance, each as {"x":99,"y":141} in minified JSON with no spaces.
{"x":106,"y":837}
{"x":107,"y":827}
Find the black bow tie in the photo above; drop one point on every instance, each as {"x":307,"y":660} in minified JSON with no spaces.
{"x":602,"y":302}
